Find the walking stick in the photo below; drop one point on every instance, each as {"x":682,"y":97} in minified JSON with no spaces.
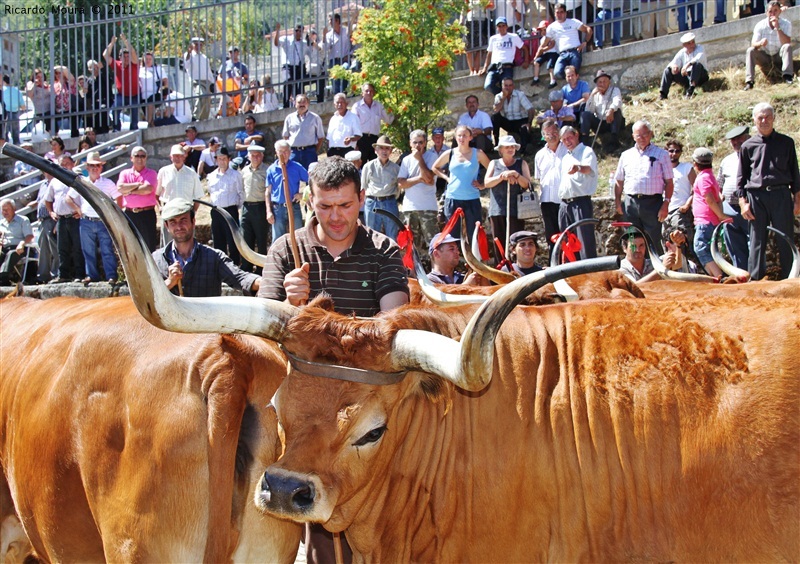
{"x":290,"y":212}
{"x":508,"y":219}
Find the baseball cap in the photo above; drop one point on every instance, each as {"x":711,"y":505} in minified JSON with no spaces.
{"x":438,"y":131}
{"x":737,"y":131}
{"x":501,"y":20}
{"x":702,"y":155}
{"x":176,"y":207}
{"x":447,"y":239}
{"x":176,"y":150}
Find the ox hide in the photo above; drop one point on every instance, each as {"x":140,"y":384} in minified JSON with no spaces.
{"x":612,"y":430}
{"x":122,"y":442}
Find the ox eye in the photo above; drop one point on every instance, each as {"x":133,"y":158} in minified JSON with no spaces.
{"x":371,"y":437}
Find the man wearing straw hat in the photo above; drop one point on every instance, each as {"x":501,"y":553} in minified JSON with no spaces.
{"x":379,"y":178}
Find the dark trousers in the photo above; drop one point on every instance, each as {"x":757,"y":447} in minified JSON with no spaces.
{"x":70,"y":255}
{"x":590,"y":123}
{"x":365,"y":146}
{"x":495,"y":77}
{"x":737,"y":239}
{"x":338,"y":151}
{"x":223,"y":238}
{"x":99,"y":121}
{"x":550,"y":217}
{"x":643,"y":213}
{"x":769,"y":208}
{"x":575,"y":210}
{"x":472,"y":214}
{"x":121,"y":100}
{"x":518,"y":126}
{"x":8,"y":260}
{"x":498,"y":223}
{"x":698,"y":75}
{"x":255,"y":230}
{"x":294,"y":83}
{"x":145,"y":223}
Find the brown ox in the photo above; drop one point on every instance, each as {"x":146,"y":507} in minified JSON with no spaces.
{"x":609,"y":431}
{"x":123,"y":442}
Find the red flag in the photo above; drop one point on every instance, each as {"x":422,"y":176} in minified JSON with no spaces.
{"x":449,"y":227}
{"x":571,"y":246}
{"x":405,"y":239}
{"x":503,"y":261}
{"x":480,"y":242}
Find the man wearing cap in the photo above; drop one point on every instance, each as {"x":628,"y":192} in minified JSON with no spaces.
{"x":370,"y":113}
{"x":177,"y":180}
{"x":706,"y":209}
{"x":355,"y":158}
{"x":769,"y":189}
{"x":445,"y":256}
{"x":15,"y":233}
{"x":137,"y":185}
{"x":771,"y":46}
{"x":737,"y":233}
{"x":233,"y":67}
{"x":688,"y":68}
{"x":522,"y":249}
{"x":379,"y":179}
{"x":303,"y":129}
{"x":126,"y":79}
{"x":190,"y":268}
{"x":558,"y":111}
{"x":479,"y":122}
{"x":277,"y":207}
{"x":578,"y":185}
{"x":344,"y":128}
{"x":513,"y":112}
{"x":67,"y":214}
{"x":199,"y":68}
{"x":644,"y":174}
{"x":603,"y":109}
{"x":243,"y":139}
{"x":507,"y":177}
{"x":564,"y":33}
{"x":500,"y":53}
{"x":255,"y":228}
{"x":94,"y":233}
{"x":208,"y":157}
{"x":295,"y":51}
{"x":547,"y":170}
{"x":415,"y":179}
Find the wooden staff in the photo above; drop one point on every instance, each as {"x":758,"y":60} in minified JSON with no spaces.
{"x":287,"y":194}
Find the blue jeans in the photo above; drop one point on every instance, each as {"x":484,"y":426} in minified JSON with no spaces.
{"x":737,"y":239}
{"x":722,"y":15}
{"x":305,"y":156}
{"x":378,"y":222}
{"x":616,"y":26}
{"x":120,"y":100}
{"x":496,"y":76}
{"x":695,"y":12}
{"x":94,"y":234}
{"x":566,"y":58}
{"x":281,"y":225}
{"x":472,"y":213}
{"x":702,"y":243}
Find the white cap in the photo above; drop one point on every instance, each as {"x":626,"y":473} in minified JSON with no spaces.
{"x":687,"y":37}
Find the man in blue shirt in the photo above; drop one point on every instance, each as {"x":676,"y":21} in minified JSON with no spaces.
{"x":14,"y":103}
{"x":247,"y":137}
{"x":277,"y":213}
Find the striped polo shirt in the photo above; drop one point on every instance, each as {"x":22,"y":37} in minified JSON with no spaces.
{"x":356,"y":280}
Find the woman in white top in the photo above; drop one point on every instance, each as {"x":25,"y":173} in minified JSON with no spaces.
{"x":269,"y":99}
{"x":314,"y":64}
{"x":252,"y":102}
{"x":149,"y":86}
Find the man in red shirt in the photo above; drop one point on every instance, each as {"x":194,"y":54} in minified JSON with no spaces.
{"x":126,"y":79}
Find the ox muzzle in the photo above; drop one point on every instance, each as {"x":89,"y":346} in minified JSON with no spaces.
{"x":287,"y":493}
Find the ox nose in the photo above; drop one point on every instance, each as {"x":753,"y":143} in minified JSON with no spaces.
{"x":287,"y":492}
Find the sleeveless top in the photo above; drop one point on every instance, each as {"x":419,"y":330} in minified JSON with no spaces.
{"x":462,"y":174}
{"x":498,"y":195}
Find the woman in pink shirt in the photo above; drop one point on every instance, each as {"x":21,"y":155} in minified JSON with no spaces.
{"x":706,"y":208}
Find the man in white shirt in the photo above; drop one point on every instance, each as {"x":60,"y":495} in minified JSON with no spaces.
{"x":603,"y":110}
{"x":547,"y":170}
{"x":67,"y":214}
{"x":500,"y":53}
{"x":578,"y":185}
{"x":479,"y":122}
{"x":565,"y":34}
{"x":199,"y":68}
{"x":344,"y":128}
{"x":370,"y":113}
{"x":294,"y":48}
{"x":177,"y":180}
{"x":415,"y":178}
{"x":688,"y":68}
{"x":337,"y":50}
{"x":771,"y":46}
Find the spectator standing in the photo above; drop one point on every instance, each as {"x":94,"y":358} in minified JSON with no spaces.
{"x":137,"y":185}
{"x":500,"y":53}
{"x":379,"y":179}
{"x":565,"y":34}
{"x":150,"y":84}
{"x":46,"y":240}
{"x":14,"y":103}
{"x":303,"y":129}
{"x":479,"y":122}
{"x":603,"y":110}
{"x":771,"y":45}
{"x":198,"y":66}
{"x":578,"y":185}
{"x":547,"y":170}
{"x":706,"y":209}
{"x":226,"y":189}
{"x":68,"y":235}
{"x":507,"y":177}
{"x":416,"y":180}
{"x":695,"y":12}
{"x":177,"y":180}
{"x":64,"y":91}
{"x":521,"y":251}
{"x":94,"y":233}
{"x":315,"y":64}
{"x":370,"y":113}
{"x":737,"y":233}
{"x":208,"y":158}
{"x":295,"y":51}
{"x":445,"y":257}
{"x":513,"y":112}
{"x":338,"y":48}
{"x":255,"y":229}
{"x":679,"y":211}
{"x":688,"y":68}
{"x":477,"y":23}
{"x":15,"y":233}
{"x":644,"y":174}
{"x":42,"y":96}
{"x":437,"y":136}
{"x":126,"y":80}
{"x":245,"y":138}
{"x":200,"y":269}
{"x":234,"y":68}
{"x":557,"y":111}
{"x":608,"y":10}
{"x":277,"y":206}
{"x":344,"y":128}
{"x":192,"y":146}
{"x":98,"y":95}
{"x":576,"y":92}
{"x":769,"y":189}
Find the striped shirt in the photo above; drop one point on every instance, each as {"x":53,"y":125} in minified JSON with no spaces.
{"x":644,"y":172}
{"x":516,"y":107}
{"x":356,"y":280}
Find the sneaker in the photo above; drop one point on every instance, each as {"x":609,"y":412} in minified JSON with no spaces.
{"x":748,"y":85}
{"x":535,"y":81}
{"x":552,"y":84}
{"x":788,"y":79}
{"x":663,"y":96}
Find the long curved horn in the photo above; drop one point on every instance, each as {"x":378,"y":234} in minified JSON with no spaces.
{"x":436,"y":296}
{"x":469,"y":364}
{"x":493,"y":274}
{"x":726,"y":267}
{"x":254,"y":316}
{"x":795,"y":271}
{"x":557,"y":246}
{"x":247,"y":253}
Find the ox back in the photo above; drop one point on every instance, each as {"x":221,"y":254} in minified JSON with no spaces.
{"x":612,"y":430}
{"x":122,"y":442}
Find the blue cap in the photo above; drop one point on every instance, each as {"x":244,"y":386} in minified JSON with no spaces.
{"x":438,"y":131}
{"x":501,"y":20}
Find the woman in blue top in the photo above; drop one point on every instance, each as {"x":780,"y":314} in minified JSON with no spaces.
{"x":463,"y":186}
